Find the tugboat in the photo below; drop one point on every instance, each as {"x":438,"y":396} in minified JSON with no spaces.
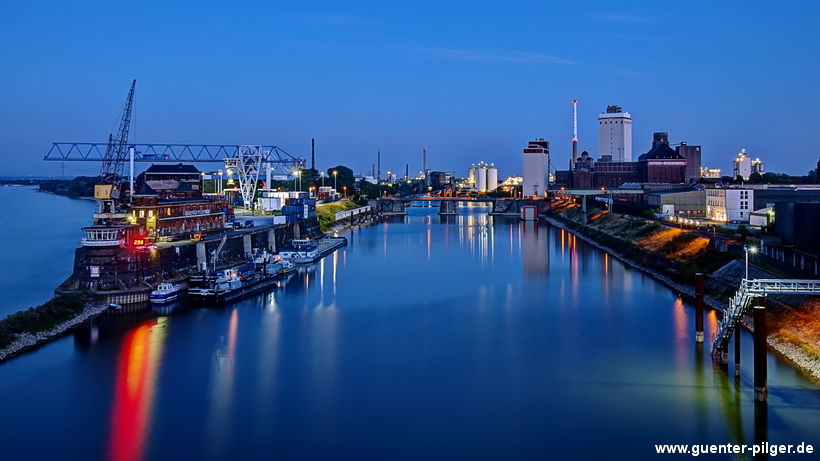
{"x":165,"y":292}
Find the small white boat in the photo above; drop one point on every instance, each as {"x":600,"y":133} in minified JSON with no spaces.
{"x":115,"y":306}
{"x":165,"y":292}
{"x":301,"y":251}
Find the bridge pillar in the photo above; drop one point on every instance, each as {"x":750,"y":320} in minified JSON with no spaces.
{"x":246,"y":243}
{"x":584,"y":209}
{"x":201,"y":256}
{"x":760,"y":377}
{"x":699,"y":283}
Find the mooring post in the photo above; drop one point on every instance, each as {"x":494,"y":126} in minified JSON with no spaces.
{"x":584,"y":210}
{"x":760,"y":350}
{"x":699,"y":283}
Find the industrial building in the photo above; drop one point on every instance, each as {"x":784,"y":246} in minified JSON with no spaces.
{"x":536,"y":160}
{"x":729,"y":204}
{"x":176,"y":206}
{"x":615,"y":135}
{"x":692,"y":155}
{"x":744,"y":166}
{"x":483,"y":177}
{"x":689,"y":203}
{"x":661,"y":165}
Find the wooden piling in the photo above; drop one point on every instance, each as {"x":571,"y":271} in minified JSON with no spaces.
{"x":760,"y":377}
{"x":699,"y":288}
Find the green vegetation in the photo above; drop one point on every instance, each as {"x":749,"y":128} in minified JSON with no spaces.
{"x":40,"y":318}
{"x":81,"y":186}
{"x":327,"y":212}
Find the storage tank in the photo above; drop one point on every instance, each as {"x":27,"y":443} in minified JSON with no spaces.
{"x":481,"y":179}
{"x":492,"y":179}
{"x":473,"y":175}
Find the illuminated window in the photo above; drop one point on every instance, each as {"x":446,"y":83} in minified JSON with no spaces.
{"x":150,"y":213}
{"x":142,"y":213}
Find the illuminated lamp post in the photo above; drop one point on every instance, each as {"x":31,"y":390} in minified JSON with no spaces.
{"x":748,"y":250}
{"x":335,"y":175}
{"x":344,"y":188}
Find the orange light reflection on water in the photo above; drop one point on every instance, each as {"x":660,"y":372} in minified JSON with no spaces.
{"x":134,"y":390}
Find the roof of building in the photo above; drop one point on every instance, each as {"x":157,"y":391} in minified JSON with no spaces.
{"x":662,"y":151}
{"x":179,"y":168}
{"x":184,"y":187}
{"x":145,"y":189}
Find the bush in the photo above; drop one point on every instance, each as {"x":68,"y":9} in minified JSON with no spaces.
{"x":44,"y":317}
{"x":6,"y":337}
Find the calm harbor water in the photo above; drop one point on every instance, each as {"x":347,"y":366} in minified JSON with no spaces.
{"x":427,"y":337}
{"x":39,"y":236}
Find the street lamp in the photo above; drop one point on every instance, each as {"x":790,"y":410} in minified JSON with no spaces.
{"x":335,"y":175}
{"x":748,"y":250}
{"x":344,"y":188}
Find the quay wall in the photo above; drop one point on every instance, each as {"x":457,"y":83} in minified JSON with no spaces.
{"x":125,"y":270}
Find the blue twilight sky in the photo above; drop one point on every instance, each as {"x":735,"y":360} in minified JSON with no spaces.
{"x":472,"y":81}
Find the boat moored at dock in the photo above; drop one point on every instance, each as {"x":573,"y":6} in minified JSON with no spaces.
{"x":165,"y":292}
{"x":303,"y":251}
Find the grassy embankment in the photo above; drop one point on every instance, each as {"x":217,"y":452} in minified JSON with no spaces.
{"x":680,"y":254}
{"x":673,"y":252}
{"x":327,"y":212}
{"x":41,"y":318}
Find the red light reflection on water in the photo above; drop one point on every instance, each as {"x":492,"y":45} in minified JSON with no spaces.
{"x":134,"y":391}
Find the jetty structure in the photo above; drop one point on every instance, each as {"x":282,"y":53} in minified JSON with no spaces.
{"x":160,"y":226}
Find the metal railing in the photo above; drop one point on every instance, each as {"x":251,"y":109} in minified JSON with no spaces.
{"x":740,"y":302}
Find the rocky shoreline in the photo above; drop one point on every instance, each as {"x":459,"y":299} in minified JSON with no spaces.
{"x":26,"y":341}
{"x":808,"y":365}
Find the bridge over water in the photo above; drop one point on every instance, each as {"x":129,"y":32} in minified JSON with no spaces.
{"x":739,"y":306}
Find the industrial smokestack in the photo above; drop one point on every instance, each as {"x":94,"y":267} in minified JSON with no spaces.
{"x":379,"y":166}
{"x":424,"y":161}
{"x":312,"y":154}
{"x":406,"y":171}
{"x":574,"y":133}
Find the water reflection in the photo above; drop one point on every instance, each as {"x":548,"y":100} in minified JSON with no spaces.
{"x":221,"y":398}
{"x":134,"y":390}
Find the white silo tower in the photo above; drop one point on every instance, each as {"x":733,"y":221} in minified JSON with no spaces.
{"x":492,"y":178}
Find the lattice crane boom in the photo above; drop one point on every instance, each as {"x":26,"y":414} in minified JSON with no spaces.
{"x":117,"y":150}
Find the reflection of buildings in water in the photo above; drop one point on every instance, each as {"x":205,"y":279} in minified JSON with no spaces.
{"x":134,"y":390}
{"x":218,"y":419}
{"x":268,"y":349}
{"x":534,"y":248}
{"x":477,"y":234}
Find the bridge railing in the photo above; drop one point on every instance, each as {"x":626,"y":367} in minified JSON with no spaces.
{"x":350,"y":213}
{"x":783,"y":286}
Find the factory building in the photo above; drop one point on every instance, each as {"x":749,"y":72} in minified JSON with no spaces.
{"x":536,"y":160}
{"x":744,"y":166}
{"x":729,"y":205}
{"x":483,"y":177}
{"x":615,"y":135}
{"x":692,"y":155}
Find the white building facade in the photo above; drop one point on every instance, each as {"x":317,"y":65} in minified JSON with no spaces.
{"x":536,"y":168}
{"x":615,"y":135}
{"x":729,"y":205}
